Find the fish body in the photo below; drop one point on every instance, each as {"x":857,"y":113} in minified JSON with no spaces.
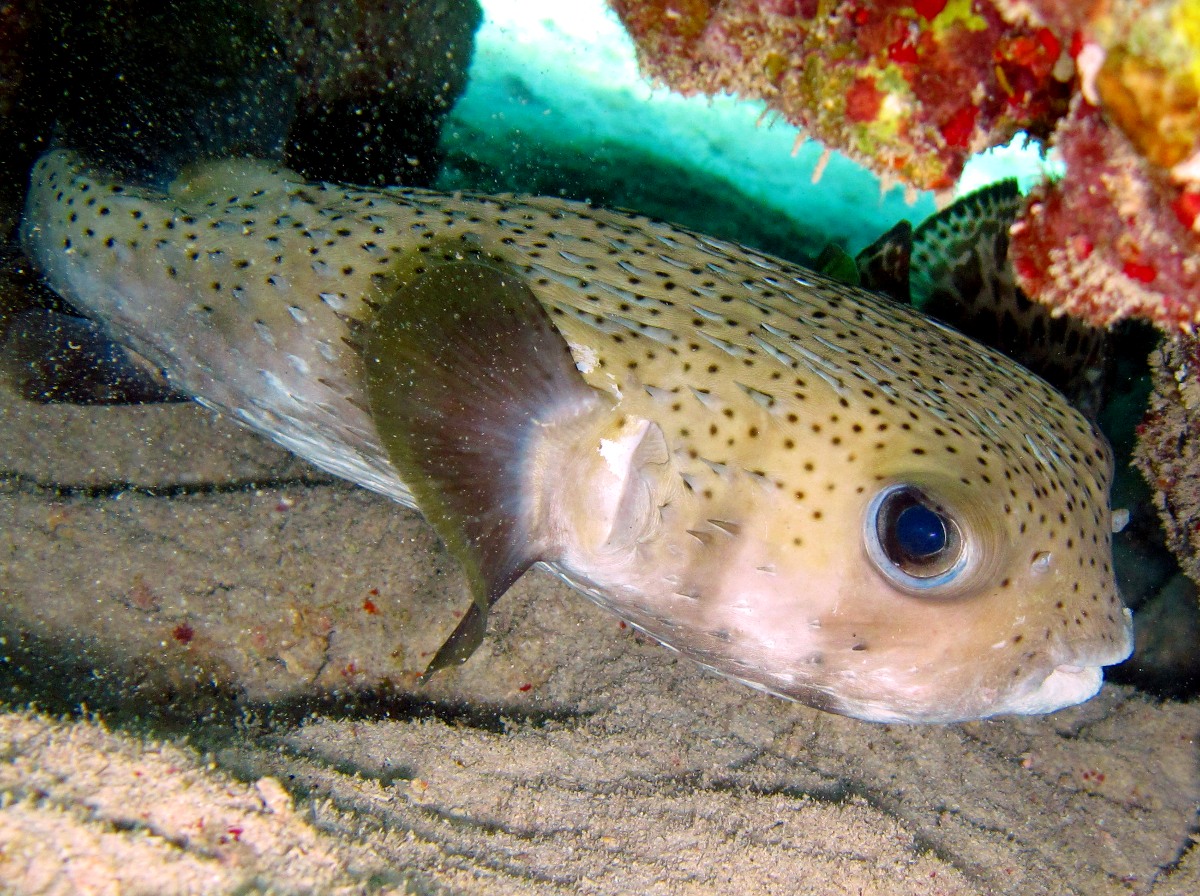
{"x":804,"y":486}
{"x":954,"y":267}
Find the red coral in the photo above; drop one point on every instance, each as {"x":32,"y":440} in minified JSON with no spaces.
{"x":902,"y":51}
{"x":1187,"y":207}
{"x":1024,"y":63}
{"x":1133,"y":222}
{"x":1139,"y":271}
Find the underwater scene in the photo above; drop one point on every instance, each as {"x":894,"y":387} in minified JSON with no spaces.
{"x":602,"y":447}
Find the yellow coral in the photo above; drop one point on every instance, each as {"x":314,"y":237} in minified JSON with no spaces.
{"x":1149,"y":83}
{"x":1185,"y":25}
{"x":1158,"y":109}
{"x":958,"y":11}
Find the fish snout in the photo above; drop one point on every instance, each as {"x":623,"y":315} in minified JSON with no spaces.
{"x":1079,"y":671}
{"x":1115,"y":647}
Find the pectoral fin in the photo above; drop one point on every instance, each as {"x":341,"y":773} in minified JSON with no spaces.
{"x":463,"y":368}
{"x":463,"y":641}
{"x":644,"y":486}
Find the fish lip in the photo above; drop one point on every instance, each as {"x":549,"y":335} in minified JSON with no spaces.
{"x":1066,"y":685}
{"x":1076,"y":670}
{"x":1075,"y":681}
{"x":1083,"y":655}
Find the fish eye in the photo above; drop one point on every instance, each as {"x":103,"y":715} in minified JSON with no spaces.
{"x":913,"y":540}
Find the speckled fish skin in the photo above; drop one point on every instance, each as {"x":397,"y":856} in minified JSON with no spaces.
{"x":747,"y":412}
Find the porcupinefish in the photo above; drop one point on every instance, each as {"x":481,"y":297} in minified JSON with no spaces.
{"x":799,"y":484}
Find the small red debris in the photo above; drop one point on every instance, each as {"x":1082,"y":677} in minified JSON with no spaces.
{"x":525,"y":687}
{"x":957,"y":131}
{"x":369,"y":607}
{"x":183,"y":633}
{"x":1136,"y":270}
{"x":235,"y":833}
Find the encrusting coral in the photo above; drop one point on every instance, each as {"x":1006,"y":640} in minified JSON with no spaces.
{"x":910,"y":89}
{"x":1113,"y":239}
{"x":1168,"y":447}
{"x":1117,"y":236}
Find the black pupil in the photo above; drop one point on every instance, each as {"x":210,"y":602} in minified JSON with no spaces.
{"x":920,"y":532}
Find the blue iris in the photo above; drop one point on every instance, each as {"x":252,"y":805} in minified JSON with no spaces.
{"x":920,"y":532}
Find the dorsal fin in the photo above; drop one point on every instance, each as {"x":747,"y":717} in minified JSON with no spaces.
{"x":835,"y":262}
{"x":463,"y":367}
{"x":881,"y":267}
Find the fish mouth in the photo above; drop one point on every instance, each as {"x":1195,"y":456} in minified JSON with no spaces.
{"x":1067,"y":685}
{"x":1074,"y":682}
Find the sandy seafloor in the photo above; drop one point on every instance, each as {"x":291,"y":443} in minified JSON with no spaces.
{"x":245,"y":636}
